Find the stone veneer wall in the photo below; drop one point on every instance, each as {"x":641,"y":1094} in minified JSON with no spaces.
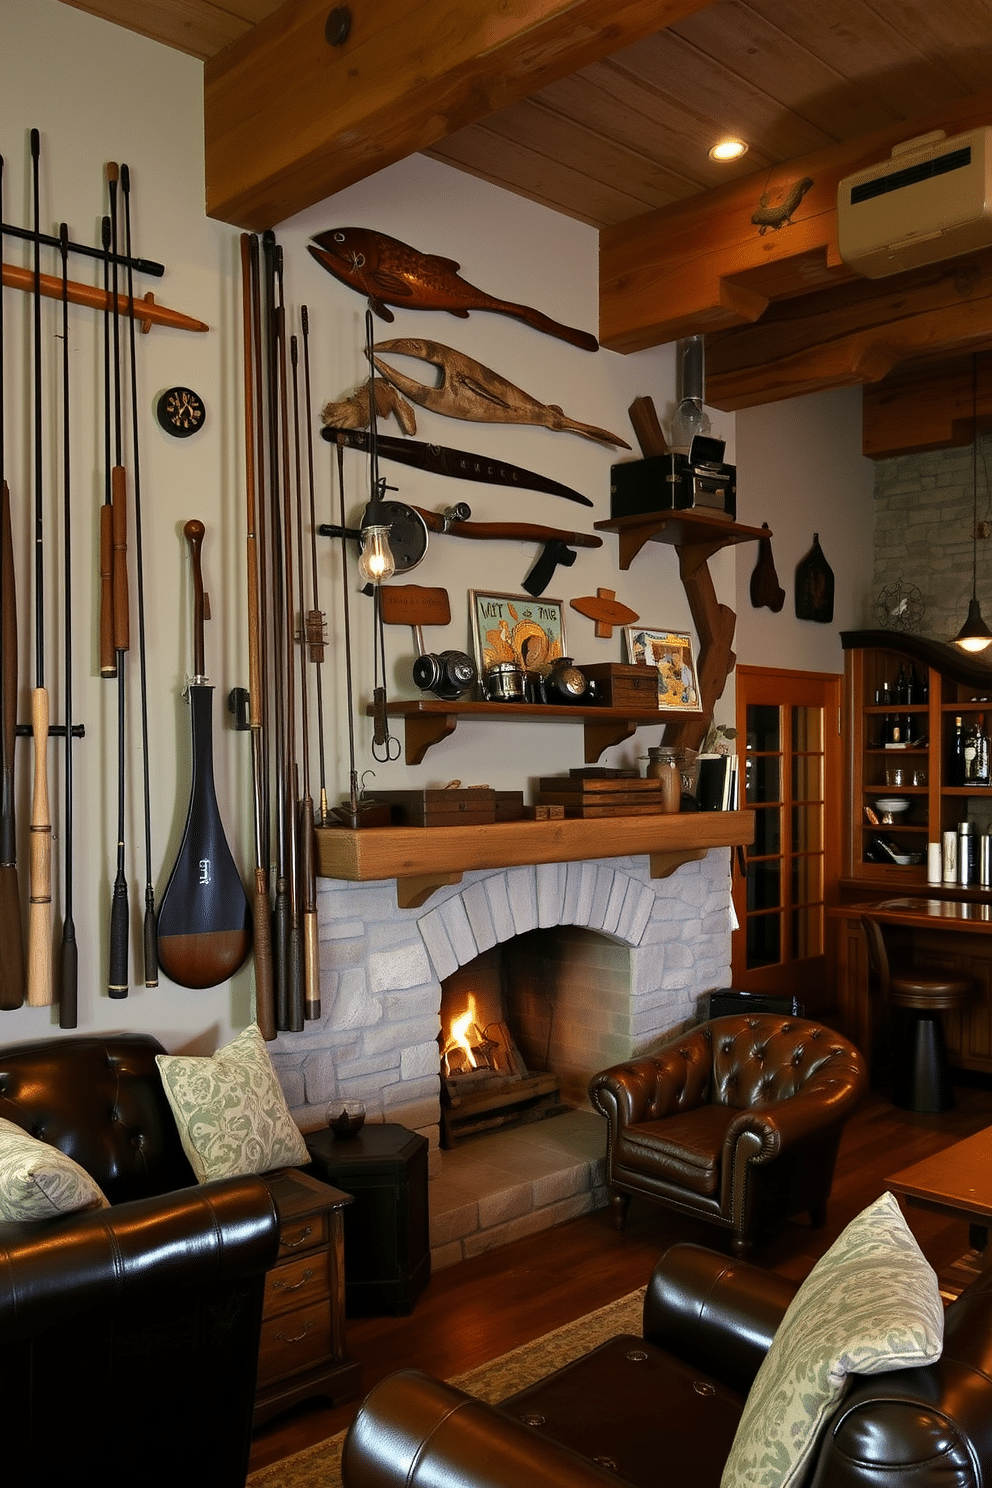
{"x":381,"y":970}
{"x":923,"y":523}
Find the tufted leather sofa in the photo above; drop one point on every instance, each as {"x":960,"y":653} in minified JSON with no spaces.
{"x":129,"y":1334}
{"x":664,"y":1408}
{"x":736,"y":1122}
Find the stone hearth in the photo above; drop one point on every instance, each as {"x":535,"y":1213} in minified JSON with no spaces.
{"x":381,"y":970}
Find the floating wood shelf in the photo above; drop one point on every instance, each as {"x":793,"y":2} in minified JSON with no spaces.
{"x":422,"y":859}
{"x":697,"y":535}
{"x":427,"y":723}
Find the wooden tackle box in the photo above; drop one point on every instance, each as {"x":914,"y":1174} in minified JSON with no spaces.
{"x":473,"y":805}
{"x":623,"y":686}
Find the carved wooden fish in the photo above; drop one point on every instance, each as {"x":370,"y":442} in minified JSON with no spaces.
{"x":392,"y":273}
{"x":468,"y":390}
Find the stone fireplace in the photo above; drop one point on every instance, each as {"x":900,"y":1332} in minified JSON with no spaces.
{"x":630,"y":958}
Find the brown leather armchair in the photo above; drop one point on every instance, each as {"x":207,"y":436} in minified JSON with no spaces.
{"x":130,"y":1334}
{"x":736,"y":1122}
{"x":664,"y":1408}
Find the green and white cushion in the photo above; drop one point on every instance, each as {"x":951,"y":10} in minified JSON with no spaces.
{"x":37,"y":1181}
{"x":230,"y":1111}
{"x":870,"y":1305}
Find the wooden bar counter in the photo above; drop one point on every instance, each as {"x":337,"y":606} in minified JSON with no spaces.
{"x":951,"y":934}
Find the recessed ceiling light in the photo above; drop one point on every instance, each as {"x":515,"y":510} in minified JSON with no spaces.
{"x":728,"y":149}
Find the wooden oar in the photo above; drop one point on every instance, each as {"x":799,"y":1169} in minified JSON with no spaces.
{"x":204,"y":924}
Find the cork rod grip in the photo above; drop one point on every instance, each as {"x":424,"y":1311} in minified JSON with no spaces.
{"x":40,"y":990}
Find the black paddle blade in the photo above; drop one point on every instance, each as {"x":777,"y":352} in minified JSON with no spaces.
{"x":204,"y":923}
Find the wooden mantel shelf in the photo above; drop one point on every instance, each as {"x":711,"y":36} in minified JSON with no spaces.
{"x":421,"y":859}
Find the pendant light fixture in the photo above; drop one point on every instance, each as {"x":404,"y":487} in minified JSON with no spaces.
{"x":974,"y":634}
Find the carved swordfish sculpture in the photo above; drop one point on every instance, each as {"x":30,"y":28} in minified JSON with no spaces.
{"x":390,"y":272}
{"x":468,"y":390}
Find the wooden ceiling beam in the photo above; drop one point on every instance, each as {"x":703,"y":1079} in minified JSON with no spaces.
{"x":704,"y":265}
{"x":290,"y":119}
{"x":853,"y":333}
{"x":927,"y":406}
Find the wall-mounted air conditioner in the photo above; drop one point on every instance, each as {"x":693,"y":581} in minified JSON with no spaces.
{"x":932,"y":200}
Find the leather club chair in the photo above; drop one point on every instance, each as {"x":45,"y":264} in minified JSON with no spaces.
{"x":664,"y":1408}
{"x":736,"y":1122}
{"x":918,"y":995}
{"x":129,"y":1334}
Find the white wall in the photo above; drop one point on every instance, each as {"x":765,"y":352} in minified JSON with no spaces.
{"x":801,"y":470}
{"x":98,"y":93}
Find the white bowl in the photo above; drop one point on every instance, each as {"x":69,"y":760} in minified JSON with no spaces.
{"x":892,"y":805}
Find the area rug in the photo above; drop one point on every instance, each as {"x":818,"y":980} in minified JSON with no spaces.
{"x":319,"y":1466}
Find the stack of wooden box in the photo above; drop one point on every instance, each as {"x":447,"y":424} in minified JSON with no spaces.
{"x":594,"y":795}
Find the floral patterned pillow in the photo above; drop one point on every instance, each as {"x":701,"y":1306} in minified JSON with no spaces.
{"x":230,"y":1111}
{"x":37,"y":1181}
{"x":870,"y":1305}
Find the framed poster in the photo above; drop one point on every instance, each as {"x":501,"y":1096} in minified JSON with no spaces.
{"x":671,"y":652}
{"x":517,"y":628}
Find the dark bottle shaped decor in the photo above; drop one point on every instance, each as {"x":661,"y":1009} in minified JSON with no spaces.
{"x":902,"y":686}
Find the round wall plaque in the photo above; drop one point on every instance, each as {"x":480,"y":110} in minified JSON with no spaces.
{"x":180,"y":412}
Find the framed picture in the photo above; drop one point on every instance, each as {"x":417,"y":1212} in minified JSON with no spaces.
{"x":515,"y":627}
{"x":671,"y":652}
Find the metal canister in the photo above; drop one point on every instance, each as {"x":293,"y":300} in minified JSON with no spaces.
{"x":504,"y":683}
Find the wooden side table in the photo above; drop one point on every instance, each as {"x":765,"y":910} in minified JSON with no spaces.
{"x":387,"y":1229}
{"x":302,"y":1351}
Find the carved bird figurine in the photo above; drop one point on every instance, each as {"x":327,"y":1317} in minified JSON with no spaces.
{"x":468,"y":390}
{"x":775,"y":217}
{"x":391,"y":272}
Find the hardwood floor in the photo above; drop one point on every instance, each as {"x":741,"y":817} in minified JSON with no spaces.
{"x":473,"y":1312}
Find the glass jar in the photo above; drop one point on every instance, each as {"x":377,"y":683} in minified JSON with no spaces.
{"x":662,"y":766}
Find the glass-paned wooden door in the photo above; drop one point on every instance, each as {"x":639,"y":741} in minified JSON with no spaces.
{"x":788,"y":737}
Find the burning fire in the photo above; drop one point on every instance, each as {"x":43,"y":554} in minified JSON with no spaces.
{"x":466,"y":1046}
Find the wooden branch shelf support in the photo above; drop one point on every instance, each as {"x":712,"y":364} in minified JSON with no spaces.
{"x":426,"y":723}
{"x":697,"y":535}
{"x":423,"y":859}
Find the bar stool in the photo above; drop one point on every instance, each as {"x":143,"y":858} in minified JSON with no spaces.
{"x":922,"y":1075}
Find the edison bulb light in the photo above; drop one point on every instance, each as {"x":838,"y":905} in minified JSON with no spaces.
{"x":376,"y":563}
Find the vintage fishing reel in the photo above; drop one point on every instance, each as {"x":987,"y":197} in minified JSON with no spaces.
{"x":448,"y":675}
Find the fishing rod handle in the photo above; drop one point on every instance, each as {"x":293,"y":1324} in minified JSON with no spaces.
{"x":193,"y":532}
{"x":108,"y":656}
{"x":117,"y":975}
{"x":294,"y":978}
{"x":265,"y":1014}
{"x":150,"y":939}
{"x":40,"y":989}
{"x":308,"y":920}
{"x":122,"y":624}
{"x":280,"y":953}
{"x":68,"y":979}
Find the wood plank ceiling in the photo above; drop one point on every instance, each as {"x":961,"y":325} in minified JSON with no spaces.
{"x":628,"y":134}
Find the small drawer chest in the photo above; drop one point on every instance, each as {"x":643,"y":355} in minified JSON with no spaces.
{"x":302,"y":1351}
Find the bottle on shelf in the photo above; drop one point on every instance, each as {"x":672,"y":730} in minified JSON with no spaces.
{"x":981,"y":765}
{"x":957,"y":771}
{"x":970,"y":752}
{"x":913,"y":689}
{"x":902,"y":686}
